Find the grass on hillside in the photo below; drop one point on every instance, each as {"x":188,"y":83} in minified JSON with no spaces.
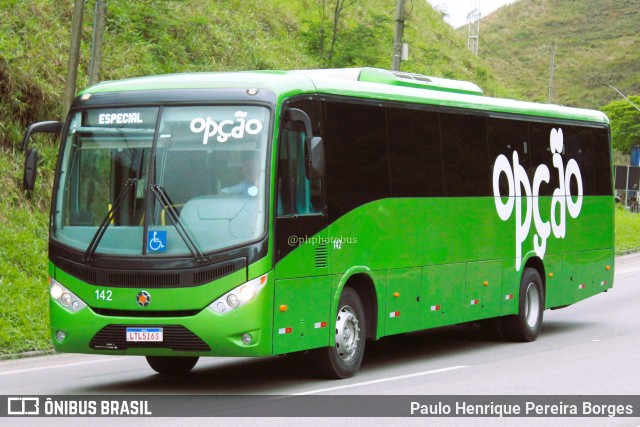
{"x":627,"y":231}
{"x":24,"y":312}
{"x":596,"y":42}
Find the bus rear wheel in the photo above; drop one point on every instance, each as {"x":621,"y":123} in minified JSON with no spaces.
{"x":172,"y":365}
{"x":344,"y":358}
{"x":525,"y":326}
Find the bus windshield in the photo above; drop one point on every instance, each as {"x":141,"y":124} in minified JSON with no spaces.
{"x":162,"y":180}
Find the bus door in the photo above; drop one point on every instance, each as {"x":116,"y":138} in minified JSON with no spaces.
{"x":303,"y":287}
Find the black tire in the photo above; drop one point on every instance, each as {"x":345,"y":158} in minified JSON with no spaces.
{"x":344,"y":358}
{"x":172,"y":365}
{"x":525,"y":326}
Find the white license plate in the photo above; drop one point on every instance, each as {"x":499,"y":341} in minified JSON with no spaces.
{"x":144,"y":335}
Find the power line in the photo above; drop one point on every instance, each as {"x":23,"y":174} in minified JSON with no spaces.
{"x":622,"y":95}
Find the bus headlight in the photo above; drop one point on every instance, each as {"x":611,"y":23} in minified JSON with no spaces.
{"x":65,"y":297}
{"x":239,"y":296}
{"x":233,"y":301}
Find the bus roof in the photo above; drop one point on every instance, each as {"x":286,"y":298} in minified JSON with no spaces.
{"x":368,"y":83}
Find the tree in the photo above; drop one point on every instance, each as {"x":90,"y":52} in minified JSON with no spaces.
{"x":324,"y":31}
{"x":625,"y":123}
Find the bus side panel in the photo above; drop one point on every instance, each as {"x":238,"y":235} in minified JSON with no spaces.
{"x":403,"y":300}
{"x":593,"y":228}
{"x":553,"y":268}
{"x":592,"y":277}
{"x":568,"y":279}
{"x":510,"y":288}
{"x":302,"y":314}
{"x":483,"y":287}
{"x":443,"y":294}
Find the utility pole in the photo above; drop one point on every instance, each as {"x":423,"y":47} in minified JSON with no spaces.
{"x":96,"y":42}
{"x":74,"y":55}
{"x":552,"y":64}
{"x":397,"y":36}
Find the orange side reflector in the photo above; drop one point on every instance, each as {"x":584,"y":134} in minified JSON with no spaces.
{"x":283,"y":308}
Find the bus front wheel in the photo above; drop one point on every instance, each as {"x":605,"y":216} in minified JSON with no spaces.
{"x":172,"y":365}
{"x":525,"y":326}
{"x":343,"y":359}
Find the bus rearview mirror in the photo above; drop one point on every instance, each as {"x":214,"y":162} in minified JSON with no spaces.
{"x":31,"y":155}
{"x":30,"y":169}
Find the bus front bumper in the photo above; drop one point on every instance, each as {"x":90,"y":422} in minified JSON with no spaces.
{"x":244,"y":332}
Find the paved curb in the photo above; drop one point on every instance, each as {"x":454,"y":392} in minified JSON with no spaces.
{"x":26,"y":354}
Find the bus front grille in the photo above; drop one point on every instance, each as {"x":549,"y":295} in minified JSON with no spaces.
{"x":175,"y":337}
{"x":144,"y":313}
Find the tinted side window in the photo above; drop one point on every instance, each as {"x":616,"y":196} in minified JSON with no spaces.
{"x":357,"y":162}
{"x":414,"y":153}
{"x":602,"y":161}
{"x":539,"y":134}
{"x":464,"y":150}
{"x":505,"y":137}
{"x":578,"y":146}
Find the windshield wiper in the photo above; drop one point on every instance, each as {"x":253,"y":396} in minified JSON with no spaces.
{"x":93,"y":246}
{"x":167,"y":205}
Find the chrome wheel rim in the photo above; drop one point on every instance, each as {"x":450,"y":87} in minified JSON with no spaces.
{"x":347,"y":333}
{"x":532,"y":305}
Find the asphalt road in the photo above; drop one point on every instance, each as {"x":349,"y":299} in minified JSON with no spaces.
{"x":590,"y":348}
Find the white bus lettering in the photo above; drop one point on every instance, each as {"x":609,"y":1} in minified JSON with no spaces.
{"x":543,"y":228}
{"x":118,"y":118}
{"x":210,"y":128}
{"x":521,"y":191}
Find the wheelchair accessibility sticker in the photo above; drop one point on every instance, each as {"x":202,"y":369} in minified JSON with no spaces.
{"x":157,"y":241}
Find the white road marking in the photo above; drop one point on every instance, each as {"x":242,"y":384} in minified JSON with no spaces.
{"x":382,"y":380}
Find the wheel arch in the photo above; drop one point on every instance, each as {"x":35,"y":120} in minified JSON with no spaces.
{"x":362,"y":280}
{"x":536,"y":263}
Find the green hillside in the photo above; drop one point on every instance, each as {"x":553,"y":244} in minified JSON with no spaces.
{"x":154,"y":37}
{"x":151,"y":37}
{"x":596,"y":43}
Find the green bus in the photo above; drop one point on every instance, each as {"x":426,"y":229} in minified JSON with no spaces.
{"x":276,"y":212}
